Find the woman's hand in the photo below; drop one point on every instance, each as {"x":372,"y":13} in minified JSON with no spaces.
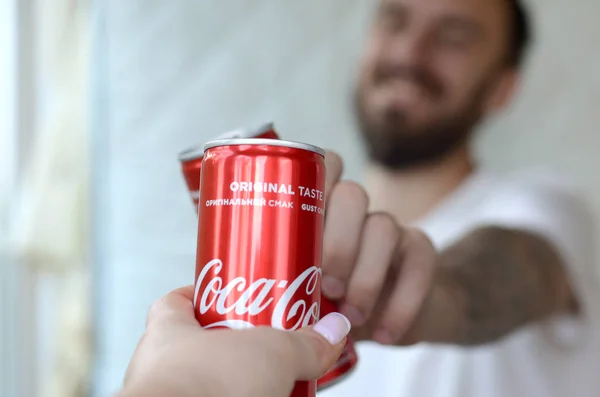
{"x":176,"y":357}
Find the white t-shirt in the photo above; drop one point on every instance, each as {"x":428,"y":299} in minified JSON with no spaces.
{"x":559,"y":358}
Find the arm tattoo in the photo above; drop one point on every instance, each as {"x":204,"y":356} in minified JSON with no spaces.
{"x":503,"y":279}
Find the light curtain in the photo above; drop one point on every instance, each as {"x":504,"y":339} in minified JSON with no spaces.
{"x":52,"y":228}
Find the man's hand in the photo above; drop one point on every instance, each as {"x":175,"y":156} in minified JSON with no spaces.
{"x":396,"y":289}
{"x":177,"y":358}
{"x":381,"y":273}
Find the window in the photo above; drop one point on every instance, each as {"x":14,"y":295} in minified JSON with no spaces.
{"x":17,"y":332}
{"x":8,"y":290}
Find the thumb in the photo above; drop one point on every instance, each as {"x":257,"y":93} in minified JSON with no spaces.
{"x":177,"y":306}
{"x":317,"y":348}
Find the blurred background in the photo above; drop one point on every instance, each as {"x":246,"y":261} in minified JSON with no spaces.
{"x":97,"y":98}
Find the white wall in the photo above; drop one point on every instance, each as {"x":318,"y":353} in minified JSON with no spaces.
{"x":555,"y":120}
{"x":173,"y":73}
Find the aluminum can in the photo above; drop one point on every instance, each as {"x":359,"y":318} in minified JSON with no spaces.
{"x":191,"y":158}
{"x":260,"y":237}
{"x":348,"y":359}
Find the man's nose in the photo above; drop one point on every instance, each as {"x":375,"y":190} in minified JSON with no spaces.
{"x":410,"y":49}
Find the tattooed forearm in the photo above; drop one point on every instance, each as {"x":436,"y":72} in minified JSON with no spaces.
{"x":500,"y":280}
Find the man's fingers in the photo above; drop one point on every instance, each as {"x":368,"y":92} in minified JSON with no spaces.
{"x":316,"y":349}
{"x":343,"y":229}
{"x":334,"y":167}
{"x":176,"y":306}
{"x":379,"y":244}
{"x":417,"y":259}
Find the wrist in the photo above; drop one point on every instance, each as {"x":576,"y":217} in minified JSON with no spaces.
{"x":441,"y":318}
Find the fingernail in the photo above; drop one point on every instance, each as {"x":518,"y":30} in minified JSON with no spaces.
{"x":334,"y":327}
{"x":355,"y":316}
{"x":332,"y":287}
{"x":383,"y":337}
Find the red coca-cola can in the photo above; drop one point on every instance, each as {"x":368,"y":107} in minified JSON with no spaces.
{"x":260,"y":237}
{"x":191,"y":161}
{"x":191,"y":158}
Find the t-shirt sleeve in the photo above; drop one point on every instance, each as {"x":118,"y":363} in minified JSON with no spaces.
{"x":559,"y":214}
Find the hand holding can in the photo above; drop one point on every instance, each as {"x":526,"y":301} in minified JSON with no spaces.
{"x":192,"y":160}
{"x":253,"y":362}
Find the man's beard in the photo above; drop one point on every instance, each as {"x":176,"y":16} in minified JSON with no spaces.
{"x":393,"y":144}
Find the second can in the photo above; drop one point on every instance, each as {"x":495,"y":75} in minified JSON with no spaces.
{"x":191,"y":158}
{"x":260,"y":237}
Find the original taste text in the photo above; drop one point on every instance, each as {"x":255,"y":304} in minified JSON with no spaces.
{"x":266,"y":187}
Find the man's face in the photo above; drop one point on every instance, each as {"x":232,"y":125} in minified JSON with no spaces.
{"x":428,"y":74}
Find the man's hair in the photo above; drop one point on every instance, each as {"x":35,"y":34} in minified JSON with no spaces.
{"x":520,"y":32}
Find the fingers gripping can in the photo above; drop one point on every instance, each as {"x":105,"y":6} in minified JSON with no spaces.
{"x":260,"y":237}
{"x":191,"y":158}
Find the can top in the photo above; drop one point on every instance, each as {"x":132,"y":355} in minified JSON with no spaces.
{"x":197,"y":151}
{"x":270,"y":142}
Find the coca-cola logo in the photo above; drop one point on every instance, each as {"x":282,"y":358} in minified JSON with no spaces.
{"x":295,"y":305}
